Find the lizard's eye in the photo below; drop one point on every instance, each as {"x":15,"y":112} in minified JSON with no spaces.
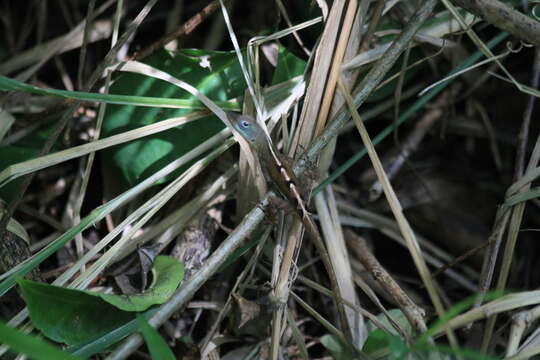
{"x":245,"y":124}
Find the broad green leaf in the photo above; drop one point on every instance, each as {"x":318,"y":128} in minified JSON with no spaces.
{"x":398,"y":348}
{"x":99,"y":344}
{"x":216,"y":74}
{"x":167,"y":273}
{"x":31,"y":346}
{"x":339,"y":350}
{"x":159,"y":350}
{"x":68,"y":315}
{"x":288,"y":66}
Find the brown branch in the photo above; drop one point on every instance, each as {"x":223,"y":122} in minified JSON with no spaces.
{"x":412,"y":312}
{"x":184,"y":29}
{"x":504,"y":17}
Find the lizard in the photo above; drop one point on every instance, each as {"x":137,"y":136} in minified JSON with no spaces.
{"x":279,"y":173}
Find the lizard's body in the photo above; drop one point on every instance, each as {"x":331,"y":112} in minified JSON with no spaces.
{"x":279,"y":173}
{"x":276,"y":169}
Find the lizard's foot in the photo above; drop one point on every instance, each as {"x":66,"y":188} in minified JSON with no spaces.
{"x":275,"y":205}
{"x":279,"y":204}
{"x":310,"y":174}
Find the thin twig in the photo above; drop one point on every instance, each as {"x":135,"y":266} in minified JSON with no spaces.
{"x":184,"y":29}
{"x":413,"y":313}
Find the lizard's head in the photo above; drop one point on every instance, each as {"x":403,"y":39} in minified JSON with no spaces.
{"x":247,"y":127}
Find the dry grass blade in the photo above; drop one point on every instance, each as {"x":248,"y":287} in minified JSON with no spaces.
{"x":211,"y":143}
{"x":347,"y":45}
{"x":249,"y":81}
{"x":513,"y":232}
{"x":326,"y":60}
{"x":6,"y":120}
{"x":431,"y":34}
{"x":140,"y":218}
{"x":393,"y":201}
{"x":520,"y":323}
{"x":78,"y":192}
{"x":461,"y":72}
{"x":12,"y":172}
{"x":503,"y":304}
{"x":323,"y":58}
{"x":64,"y":43}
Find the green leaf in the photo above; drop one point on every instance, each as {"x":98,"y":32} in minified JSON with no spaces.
{"x":16,"y":228}
{"x":12,"y":155}
{"x":99,"y":344}
{"x":297,"y":335}
{"x":31,"y":346}
{"x":24,"y":149}
{"x":339,"y":350}
{"x":14,"y":85}
{"x":398,"y":348}
{"x":167,"y":272}
{"x":378,"y":338}
{"x":136,"y":160}
{"x":288,"y":66}
{"x":69,"y":316}
{"x":159,"y":350}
